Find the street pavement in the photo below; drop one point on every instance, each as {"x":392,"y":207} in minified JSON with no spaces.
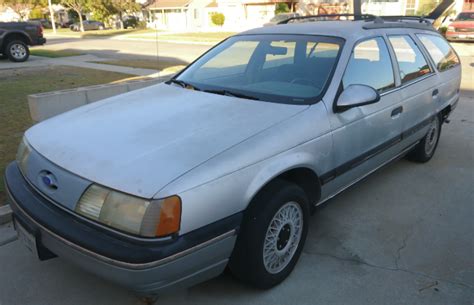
{"x":130,"y":49}
{"x":404,"y":235}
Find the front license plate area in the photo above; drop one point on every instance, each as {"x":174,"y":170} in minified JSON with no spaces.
{"x":27,"y":238}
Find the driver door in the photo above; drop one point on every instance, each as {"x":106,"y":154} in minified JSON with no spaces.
{"x":366,"y":136}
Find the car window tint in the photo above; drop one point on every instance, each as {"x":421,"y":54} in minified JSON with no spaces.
{"x":278,"y":68}
{"x":370,"y":65}
{"x":411,"y":62}
{"x":230,"y":62}
{"x":284,"y":54}
{"x":440,"y":51}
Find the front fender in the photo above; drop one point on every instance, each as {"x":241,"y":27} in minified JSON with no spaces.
{"x":232,"y":193}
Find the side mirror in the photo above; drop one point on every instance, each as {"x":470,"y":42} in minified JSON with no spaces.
{"x":355,"y":96}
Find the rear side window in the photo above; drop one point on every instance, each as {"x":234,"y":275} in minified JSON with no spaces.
{"x":440,"y":51}
{"x":411,"y":62}
{"x":370,"y":65}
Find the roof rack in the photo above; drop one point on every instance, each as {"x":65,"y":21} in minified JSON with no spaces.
{"x":373,"y":21}
{"x":413,"y":22}
{"x":329,"y":17}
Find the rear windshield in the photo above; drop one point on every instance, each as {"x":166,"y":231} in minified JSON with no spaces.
{"x":466,"y":16}
{"x":279,"y":68}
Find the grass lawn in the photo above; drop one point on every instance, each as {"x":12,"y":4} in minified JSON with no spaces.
{"x":54,"y":53}
{"x":165,"y":66}
{"x":16,"y":84}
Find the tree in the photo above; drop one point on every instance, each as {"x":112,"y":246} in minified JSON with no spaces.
{"x":125,"y":6}
{"x":281,"y":8}
{"x":103,"y":10}
{"x":218,"y":19}
{"x":21,"y":7}
{"x":79,"y":6}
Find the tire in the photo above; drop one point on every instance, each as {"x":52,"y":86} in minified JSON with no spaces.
{"x":256,"y":239}
{"x":424,"y":151}
{"x":17,"y":51}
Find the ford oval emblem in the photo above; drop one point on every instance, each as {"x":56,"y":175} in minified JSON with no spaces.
{"x":49,"y":180}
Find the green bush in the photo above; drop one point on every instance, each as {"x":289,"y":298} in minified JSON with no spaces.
{"x":36,"y":13}
{"x":281,"y":8}
{"x":218,"y":19}
{"x":141,"y":24}
{"x":443,"y":30}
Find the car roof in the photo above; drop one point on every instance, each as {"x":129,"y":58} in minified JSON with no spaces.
{"x":347,"y":29}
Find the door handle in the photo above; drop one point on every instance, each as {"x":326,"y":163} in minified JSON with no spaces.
{"x":397,"y":111}
{"x":435,"y":93}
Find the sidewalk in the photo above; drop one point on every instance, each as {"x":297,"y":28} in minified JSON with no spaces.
{"x":83,"y":61}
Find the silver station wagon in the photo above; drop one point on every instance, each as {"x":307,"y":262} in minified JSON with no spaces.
{"x":222,"y":165}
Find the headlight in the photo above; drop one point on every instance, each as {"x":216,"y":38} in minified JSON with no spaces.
{"x":149,"y":218}
{"x":22,"y":155}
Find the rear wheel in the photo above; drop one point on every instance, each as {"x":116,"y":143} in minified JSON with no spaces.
{"x":272,"y":235}
{"x":425,"y":150}
{"x":17,"y":51}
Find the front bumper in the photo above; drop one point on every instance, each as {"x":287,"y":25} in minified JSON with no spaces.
{"x":145,"y":266}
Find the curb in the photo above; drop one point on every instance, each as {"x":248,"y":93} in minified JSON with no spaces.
{"x":5,"y":214}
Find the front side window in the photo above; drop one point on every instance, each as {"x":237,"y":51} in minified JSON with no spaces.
{"x":278,"y":68}
{"x":440,"y":51}
{"x":411,"y":62}
{"x":370,"y":65}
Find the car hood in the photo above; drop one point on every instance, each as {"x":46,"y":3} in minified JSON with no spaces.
{"x":140,"y":141}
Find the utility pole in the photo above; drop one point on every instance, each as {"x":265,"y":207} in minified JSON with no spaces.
{"x":51,"y":12}
{"x":357,"y":5}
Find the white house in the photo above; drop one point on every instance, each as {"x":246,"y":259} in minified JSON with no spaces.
{"x":195,"y":15}
{"x":8,"y":15}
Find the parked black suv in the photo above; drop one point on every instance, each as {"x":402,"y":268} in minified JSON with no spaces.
{"x":15,"y":37}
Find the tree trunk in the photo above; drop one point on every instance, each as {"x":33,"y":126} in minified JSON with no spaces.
{"x":51,"y":12}
{"x":80,"y":20}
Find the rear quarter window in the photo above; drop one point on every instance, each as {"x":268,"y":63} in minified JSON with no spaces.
{"x":440,"y":51}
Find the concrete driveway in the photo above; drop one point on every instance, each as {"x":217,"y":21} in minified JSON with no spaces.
{"x":405,"y":235}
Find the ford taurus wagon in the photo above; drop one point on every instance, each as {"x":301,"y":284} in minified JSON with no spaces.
{"x":221,"y":166}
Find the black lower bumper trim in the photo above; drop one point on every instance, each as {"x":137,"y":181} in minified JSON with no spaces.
{"x":33,"y":210}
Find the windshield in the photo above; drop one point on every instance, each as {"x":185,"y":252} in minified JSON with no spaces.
{"x":465,"y":16}
{"x":278,"y":68}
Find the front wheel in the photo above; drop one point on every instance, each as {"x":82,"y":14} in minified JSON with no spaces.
{"x":17,"y":51}
{"x":425,"y":150}
{"x":272,"y":235}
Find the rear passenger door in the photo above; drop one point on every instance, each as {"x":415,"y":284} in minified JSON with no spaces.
{"x":365,"y":137}
{"x":419,"y":87}
{"x":447,"y":63}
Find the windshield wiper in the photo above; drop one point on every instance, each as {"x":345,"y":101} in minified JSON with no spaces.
{"x":234,"y":94}
{"x":183,"y":84}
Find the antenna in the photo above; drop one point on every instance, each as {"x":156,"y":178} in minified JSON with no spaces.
{"x":157,"y":51}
